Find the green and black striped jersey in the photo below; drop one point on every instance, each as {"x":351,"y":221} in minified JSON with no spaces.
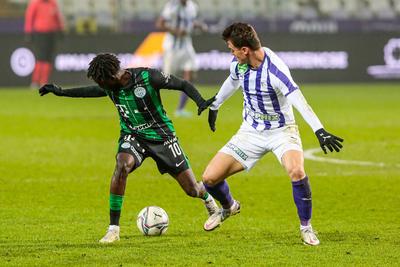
{"x":139,"y":104}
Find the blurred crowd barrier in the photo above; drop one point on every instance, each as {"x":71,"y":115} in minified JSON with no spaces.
{"x":320,"y":40}
{"x":341,"y":57}
{"x":93,"y":16}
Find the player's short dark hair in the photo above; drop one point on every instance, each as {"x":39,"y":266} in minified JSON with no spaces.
{"x":103,"y":67}
{"x":242,"y":34}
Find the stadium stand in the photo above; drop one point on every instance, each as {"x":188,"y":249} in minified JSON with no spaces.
{"x":113,"y":15}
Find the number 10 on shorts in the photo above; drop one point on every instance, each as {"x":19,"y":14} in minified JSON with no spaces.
{"x":176,"y":150}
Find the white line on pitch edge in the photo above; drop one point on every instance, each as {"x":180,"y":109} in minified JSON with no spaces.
{"x":309,"y":154}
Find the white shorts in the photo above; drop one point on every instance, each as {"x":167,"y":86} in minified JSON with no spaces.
{"x":248,"y":145}
{"x":176,"y":60}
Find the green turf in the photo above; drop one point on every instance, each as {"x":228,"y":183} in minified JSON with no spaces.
{"x":57,"y":156}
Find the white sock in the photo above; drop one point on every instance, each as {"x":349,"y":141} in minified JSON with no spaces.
{"x":209,"y":198}
{"x":302,"y":227}
{"x":113,"y":227}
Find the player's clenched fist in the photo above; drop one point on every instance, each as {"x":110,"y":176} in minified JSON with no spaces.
{"x":212,"y":117}
{"x":205,"y":104}
{"x":50,"y":88}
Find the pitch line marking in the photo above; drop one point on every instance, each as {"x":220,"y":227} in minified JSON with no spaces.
{"x":309,"y":154}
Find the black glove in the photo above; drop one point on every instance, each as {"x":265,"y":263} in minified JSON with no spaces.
{"x":328,"y":140}
{"x":205,"y":104}
{"x":212,"y":117}
{"x":51,"y":88}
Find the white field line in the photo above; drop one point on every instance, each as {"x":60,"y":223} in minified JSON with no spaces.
{"x":309,"y":154}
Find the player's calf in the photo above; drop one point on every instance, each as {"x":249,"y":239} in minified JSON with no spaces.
{"x":209,"y":202}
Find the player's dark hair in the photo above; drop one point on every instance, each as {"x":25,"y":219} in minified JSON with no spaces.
{"x":242,"y":34}
{"x":103,"y":66}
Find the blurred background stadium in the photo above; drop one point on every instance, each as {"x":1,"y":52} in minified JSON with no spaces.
{"x":321,"y":40}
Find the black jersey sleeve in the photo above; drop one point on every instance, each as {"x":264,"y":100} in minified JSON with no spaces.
{"x":160,"y":80}
{"x":86,"y":91}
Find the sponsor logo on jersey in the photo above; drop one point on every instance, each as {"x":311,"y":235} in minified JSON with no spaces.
{"x":260,"y":116}
{"x":141,"y":126}
{"x":140,"y":92}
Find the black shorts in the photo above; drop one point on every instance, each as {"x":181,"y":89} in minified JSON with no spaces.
{"x":168,"y":154}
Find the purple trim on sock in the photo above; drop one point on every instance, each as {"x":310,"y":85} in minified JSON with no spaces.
{"x":302,"y":199}
{"x":221,"y":193}
{"x":305,"y":223}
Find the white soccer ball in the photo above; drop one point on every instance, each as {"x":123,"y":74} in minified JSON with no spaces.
{"x":152,"y":220}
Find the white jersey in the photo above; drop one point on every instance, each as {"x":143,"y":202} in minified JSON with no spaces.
{"x":182,"y":17}
{"x":265,"y":90}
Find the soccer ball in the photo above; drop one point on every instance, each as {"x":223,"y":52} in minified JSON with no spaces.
{"x":152,"y":220}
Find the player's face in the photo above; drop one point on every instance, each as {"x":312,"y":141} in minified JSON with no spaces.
{"x":240,"y":53}
{"x":110,"y":84}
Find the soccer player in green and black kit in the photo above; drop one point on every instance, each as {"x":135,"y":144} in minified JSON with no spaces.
{"x":146,"y":131}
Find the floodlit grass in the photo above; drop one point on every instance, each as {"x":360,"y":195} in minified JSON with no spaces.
{"x":57,"y":157}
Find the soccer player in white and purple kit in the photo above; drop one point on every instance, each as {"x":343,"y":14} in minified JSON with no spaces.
{"x":269,"y":93}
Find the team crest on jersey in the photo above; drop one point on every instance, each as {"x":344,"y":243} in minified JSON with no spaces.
{"x":140,"y":92}
{"x":242,"y":68}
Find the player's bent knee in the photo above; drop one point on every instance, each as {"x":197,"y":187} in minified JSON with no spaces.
{"x":192,"y":192}
{"x":125,"y":166}
{"x":206,"y":178}
{"x":297,"y":173}
{"x":209,"y":180}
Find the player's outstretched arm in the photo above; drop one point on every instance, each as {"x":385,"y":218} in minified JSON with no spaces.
{"x":227,"y":89}
{"x":204,"y":105}
{"x":328,"y":140}
{"x":160,"y":80}
{"x":87,"y":91}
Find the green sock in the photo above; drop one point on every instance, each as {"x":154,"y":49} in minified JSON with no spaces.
{"x":205,"y":196}
{"x":115,"y":208}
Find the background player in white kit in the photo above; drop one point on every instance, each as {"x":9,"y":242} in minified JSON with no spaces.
{"x":179,"y":18}
{"x":268,"y":125}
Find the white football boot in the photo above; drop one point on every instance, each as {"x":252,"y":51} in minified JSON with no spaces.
{"x":308,"y":235}
{"x":217,"y":218}
{"x":111,"y":236}
{"x":210,"y":205}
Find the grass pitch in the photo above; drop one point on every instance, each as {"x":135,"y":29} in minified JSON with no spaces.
{"x":57,"y":157}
